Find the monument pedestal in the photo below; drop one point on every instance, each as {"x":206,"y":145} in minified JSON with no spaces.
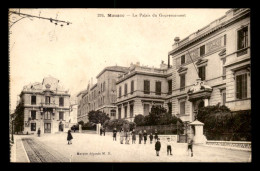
{"x":198,"y":138}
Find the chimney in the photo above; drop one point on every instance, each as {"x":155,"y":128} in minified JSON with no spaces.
{"x":176,"y":39}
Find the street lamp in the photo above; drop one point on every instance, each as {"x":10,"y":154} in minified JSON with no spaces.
{"x":12,"y":129}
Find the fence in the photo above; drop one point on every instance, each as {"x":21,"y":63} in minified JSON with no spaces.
{"x":228,"y":136}
{"x":161,"y":129}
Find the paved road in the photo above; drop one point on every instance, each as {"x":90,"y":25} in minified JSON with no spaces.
{"x":95,"y":148}
{"x":37,"y":152}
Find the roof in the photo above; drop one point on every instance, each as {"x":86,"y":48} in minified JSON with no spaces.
{"x":113,"y":68}
{"x":82,"y":92}
{"x":210,"y":28}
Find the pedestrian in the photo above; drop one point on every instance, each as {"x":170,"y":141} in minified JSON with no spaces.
{"x":69,"y":137}
{"x":114,"y":134}
{"x":104,"y":130}
{"x":122,"y":136}
{"x":157,"y":146}
{"x":140,"y":137}
{"x":190,"y":144}
{"x":169,"y":147}
{"x":151,"y":138}
{"x":127,"y":137}
{"x":155,"y":134}
{"x":39,"y":132}
{"x":74,"y":128}
{"x":145,"y":136}
{"x":101,"y":129}
{"x":133,"y":137}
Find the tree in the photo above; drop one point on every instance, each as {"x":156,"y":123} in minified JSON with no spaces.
{"x":81,"y":123}
{"x":139,"y":120}
{"x":156,"y":115}
{"x":97,"y":117}
{"x":119,"y":124}
{"x":19,"y":118}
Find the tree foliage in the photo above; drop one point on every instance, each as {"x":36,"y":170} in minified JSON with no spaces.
{"x":19,"y":118}
{"x":222,"y":124}
{"x":97,"y":117}
{"x":157,"y":116}
{"x":119,"y":124}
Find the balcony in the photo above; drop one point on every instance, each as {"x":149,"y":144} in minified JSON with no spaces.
{"x":48,"y":105}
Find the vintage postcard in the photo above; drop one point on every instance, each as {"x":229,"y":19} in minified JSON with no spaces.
{"x":130,"y":85}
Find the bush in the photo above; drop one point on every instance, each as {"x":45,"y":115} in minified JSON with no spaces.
{"x":222,"y":124}
{"x":89,"y":126}
{"x":97,"y":117}
{"x":139,"y":120}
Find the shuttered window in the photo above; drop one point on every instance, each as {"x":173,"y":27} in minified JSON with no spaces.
{"x":182,"y":82}
{"x":241,"y":86}
{"x":158,"y":87}
{"x":132,"y":86}
{"x":202,"y":73}
{"x":146,"y":87}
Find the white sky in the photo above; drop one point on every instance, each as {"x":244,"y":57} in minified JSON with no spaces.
{"x":75,"y":53}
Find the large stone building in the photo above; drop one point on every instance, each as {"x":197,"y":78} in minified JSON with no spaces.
{"x":141,"y":88}
{"x":46,"y":106}
{"x":212,"y":66}
{"x":102,"y":95}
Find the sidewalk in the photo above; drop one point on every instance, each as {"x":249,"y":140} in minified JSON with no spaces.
{"x":18,"y":153}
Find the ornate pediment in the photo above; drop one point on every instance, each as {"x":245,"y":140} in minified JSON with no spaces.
{"x":201,"y":61}
{"x":182,"y":69}
{"x":199,"y":90}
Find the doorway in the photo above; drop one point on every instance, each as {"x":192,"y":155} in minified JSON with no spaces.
{"x":61,"y":127}
{"x":47,"y":127}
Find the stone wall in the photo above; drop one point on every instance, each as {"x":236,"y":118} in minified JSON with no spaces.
{"x":237,"y":144}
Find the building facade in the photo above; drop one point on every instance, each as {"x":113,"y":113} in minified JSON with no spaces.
{"x":212,"y":66}
{"x":141,"y":88}
{"x":102,"y":95}
{"x":46,"y":106}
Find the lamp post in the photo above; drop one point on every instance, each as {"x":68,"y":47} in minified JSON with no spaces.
{"x":12,"y":129}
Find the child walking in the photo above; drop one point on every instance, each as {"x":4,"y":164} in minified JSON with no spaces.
{"x":190,"y":144}
{"x":169,"y":147}
{"x":157,"y":147}
{"x":114,"y":134}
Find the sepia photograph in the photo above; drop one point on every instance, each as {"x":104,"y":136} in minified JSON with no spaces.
{"x":128,"y":85}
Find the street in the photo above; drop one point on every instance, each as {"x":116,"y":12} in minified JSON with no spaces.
{"x":96,"y":148}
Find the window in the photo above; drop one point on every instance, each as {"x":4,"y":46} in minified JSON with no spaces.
{"x":242,"y":38}
{"x":223,"y":94}
{"x":223,"y":68}
{"x":119,"y":113}
{"x":146,"y":109}
{"x":47,"y":99}
{"x":125,"y":89}
{"x":33,"y":126}
{"x":225,"y":40}
{"x":182,"y":108}
{"x":182,"y":59}
{"x":202,"y":73}
{"x":158,"y":85}
{"x":146,"y":87}
{"x":132,"y":86}
{"x":202,"y":50}
{"x":113,"y":112}
{"x":104,"y":86}
{"x":33,"y":114}
{"x":182,"y":82}
{"x":101,"y":87}
{"x":61,"y":101}
{"x":131,"y":111}
{"x":103,"y":100}
{"x":33,"y":100}
{"x":241,"y":86}
{"x":125,"y":111}
{"x":61,"y":115}
{"x":169,"y":86}
{"x":47,"y":115}
{"x":120,"y":91}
